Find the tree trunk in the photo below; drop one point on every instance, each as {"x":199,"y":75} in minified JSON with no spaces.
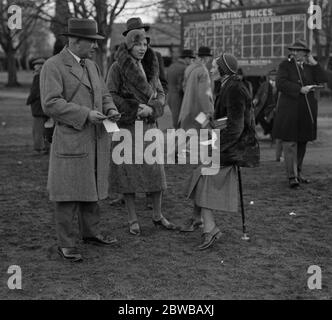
{"x":11,"y":68}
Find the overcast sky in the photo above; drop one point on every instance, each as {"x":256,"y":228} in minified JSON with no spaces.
{"x":146,"y":9}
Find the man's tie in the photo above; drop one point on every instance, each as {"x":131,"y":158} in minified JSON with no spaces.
{"x":82,"y":63}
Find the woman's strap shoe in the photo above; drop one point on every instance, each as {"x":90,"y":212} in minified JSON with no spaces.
{"x":209,"y":238}
{"x":134,"y":228}
{"x":191,"y":225}
{"x":71,"y":254}
{"x":303,"y":180}
{"x":164,"y":223}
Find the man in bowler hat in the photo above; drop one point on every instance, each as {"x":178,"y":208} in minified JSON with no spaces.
{"x":296,"y":118}
{"x":74,"y":94}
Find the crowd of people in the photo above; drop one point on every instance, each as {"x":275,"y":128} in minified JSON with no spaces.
{"x":75,"y":96}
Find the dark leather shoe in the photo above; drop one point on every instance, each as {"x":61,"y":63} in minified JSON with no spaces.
{"x":293,"y":183}
{"x":100,"y":240}
{"x":209,"y":238}
{"x":71,"y":254}
{"x":191,"y":225}
{"x":164,"y":223}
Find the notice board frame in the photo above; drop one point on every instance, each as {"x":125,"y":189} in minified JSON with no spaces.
{"x":246,"y":32}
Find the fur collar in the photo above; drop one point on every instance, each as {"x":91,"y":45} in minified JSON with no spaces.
{"x":128,"y":66}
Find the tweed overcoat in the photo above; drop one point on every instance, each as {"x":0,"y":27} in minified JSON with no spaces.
{"x":197,"y":95}
{"x":292,"y":121}
{"x":79,"y":158}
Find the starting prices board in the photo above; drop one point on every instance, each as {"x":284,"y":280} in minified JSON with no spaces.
{"x":258,"y":36}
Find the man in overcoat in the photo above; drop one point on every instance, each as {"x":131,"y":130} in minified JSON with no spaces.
{"x":175,"y":76}
{"x":74,"y":94}
{"x":197,"y":91}
{"x":296,"y":119}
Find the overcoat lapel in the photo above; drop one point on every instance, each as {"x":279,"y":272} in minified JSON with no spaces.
{"x":75,"y":69}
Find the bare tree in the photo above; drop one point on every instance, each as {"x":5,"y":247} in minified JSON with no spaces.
{"x":12,"y":40}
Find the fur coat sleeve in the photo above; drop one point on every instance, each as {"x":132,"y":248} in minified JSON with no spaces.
{"x":126,"y":103}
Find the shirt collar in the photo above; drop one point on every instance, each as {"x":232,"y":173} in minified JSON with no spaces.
{"x":78,"y":59}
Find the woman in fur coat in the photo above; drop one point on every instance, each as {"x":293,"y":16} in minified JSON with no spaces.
{"x":133,"y":81}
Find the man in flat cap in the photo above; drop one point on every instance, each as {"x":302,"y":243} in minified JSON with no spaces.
{"x":74,"y":94}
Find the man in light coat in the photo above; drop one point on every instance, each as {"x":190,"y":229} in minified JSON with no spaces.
{"x":74,"y":94}
{"x":175,"y":76}
{"x":197,"y":91}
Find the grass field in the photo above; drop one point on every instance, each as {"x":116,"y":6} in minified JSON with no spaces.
{"x":161,"y":264}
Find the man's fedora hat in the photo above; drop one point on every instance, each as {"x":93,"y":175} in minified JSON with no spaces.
{"x":300,"y":45}
{"x":187,"y":53}
{"x":83,"y":28}
{"x":135,"y":23}
{"x":204,"y":52}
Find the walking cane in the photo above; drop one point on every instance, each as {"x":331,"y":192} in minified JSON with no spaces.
{"x":305,"y":96}
{"x":245,"y":235}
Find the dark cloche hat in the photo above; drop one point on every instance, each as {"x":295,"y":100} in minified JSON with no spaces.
{"x":204,"y":52}
{"x":299,"y":45}
{"x":135,"y":23}
{"x":83,"y":28}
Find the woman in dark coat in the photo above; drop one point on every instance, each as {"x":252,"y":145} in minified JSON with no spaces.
{"x":218,"y":191}
{"x":137,"y":92}
{"x":296,"y":122}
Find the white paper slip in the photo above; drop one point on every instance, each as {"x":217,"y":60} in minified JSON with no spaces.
{"x":202,"y":119}
{"x":110,"y":126}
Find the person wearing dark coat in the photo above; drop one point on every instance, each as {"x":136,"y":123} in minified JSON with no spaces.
{"x":296,"y":118}
{"x":218,"y":190}
{"x":175,"y":76}
{"x":40,"y":144}
{"x":265,"y":102}
{"x":133,"y":81}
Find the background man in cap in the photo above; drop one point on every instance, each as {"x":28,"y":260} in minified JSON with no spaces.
{"x":175,"y":76}
{"x":296,"y":119}
{"x":40,"y":145}
{"x":74,"y":94}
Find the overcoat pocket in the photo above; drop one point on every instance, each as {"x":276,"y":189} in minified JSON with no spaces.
{"x":70,"y":143}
